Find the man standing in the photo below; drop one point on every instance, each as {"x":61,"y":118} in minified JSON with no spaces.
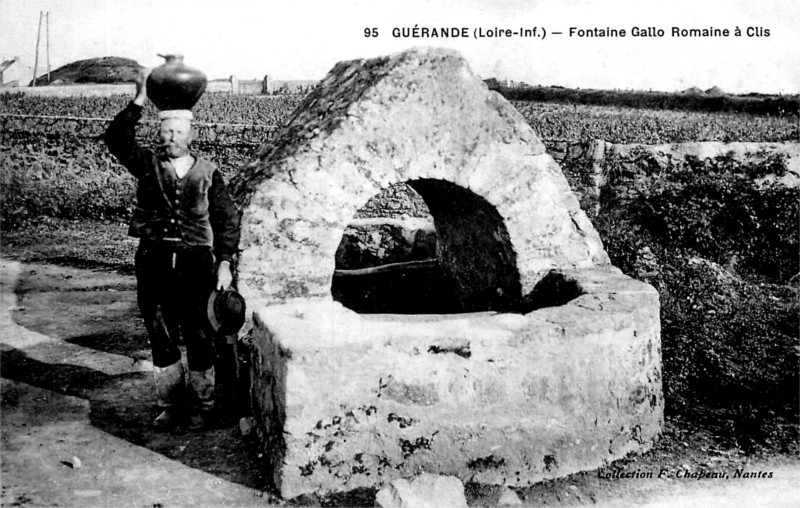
{"x":188,"y":228}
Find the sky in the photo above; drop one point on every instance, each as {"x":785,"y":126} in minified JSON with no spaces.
{"x":303,"y":39}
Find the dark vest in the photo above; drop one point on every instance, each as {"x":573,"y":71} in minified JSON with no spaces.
{"x":173,"y":208}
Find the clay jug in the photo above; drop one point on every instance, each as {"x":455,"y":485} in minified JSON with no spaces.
{"x":174,"y":85}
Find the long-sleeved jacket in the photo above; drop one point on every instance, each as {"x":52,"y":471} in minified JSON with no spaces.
{"x":196,"y":209}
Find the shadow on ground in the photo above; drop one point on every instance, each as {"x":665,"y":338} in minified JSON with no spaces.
{"x":99,"y":313}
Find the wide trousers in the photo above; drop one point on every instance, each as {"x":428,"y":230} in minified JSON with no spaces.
{"x":174,"y":281}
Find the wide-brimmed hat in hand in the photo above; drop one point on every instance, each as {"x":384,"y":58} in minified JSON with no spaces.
{"x":226,"y":311}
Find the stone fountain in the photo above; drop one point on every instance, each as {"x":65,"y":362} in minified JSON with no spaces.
{"x":548,"y":364}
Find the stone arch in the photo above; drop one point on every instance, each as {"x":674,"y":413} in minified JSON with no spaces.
{"x":420,"y":116}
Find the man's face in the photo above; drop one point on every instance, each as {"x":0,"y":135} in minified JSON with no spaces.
{"x":175,"y":137}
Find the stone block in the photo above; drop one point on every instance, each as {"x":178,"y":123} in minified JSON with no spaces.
{"x":345,"y":400}
{"x":423,"y":491}
{"x":374,"y":242}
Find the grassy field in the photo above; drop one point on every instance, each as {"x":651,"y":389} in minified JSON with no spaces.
{"x":652,"y":126}
{"x":549,"y":119}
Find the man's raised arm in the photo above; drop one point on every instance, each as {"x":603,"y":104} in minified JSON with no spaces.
{"x":120,"y":136}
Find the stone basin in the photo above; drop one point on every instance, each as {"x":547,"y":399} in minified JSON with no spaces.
{"x":347,"y":400}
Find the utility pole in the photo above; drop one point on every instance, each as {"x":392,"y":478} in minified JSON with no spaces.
{"x":48,"y":47}
{"x":36,"y":60}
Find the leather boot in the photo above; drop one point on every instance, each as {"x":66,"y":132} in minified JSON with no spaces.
{"x":170,"y":392}
{"x":201,"y":386}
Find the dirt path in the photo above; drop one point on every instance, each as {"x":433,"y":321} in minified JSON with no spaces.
{"x":54,"y":456}
{"x":77,"y":384}
{"x":77,"y":402}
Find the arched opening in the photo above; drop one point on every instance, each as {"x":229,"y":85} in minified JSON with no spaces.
{"x":426,"y":246}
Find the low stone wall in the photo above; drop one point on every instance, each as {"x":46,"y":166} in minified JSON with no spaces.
{"x":370,"y":242}
{"x":625,"y":163}
{"x":595,"y":167}
{"x":395,"y":202}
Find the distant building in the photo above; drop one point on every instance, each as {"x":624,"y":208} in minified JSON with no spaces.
{"x":492,"y":83}
{"x":3,"y":66}
{"x":13,"y":72}
{"x":267,"y":85}
{"x":496,"y":84}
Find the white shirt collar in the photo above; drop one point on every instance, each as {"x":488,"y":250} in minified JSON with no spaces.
{"x":182,"y":165}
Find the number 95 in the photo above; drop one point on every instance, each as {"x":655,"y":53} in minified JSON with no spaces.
{"x":370,"y":32}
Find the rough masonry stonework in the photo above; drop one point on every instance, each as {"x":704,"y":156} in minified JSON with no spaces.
{"x":549,"y":361}
{"x":420,"y":117}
